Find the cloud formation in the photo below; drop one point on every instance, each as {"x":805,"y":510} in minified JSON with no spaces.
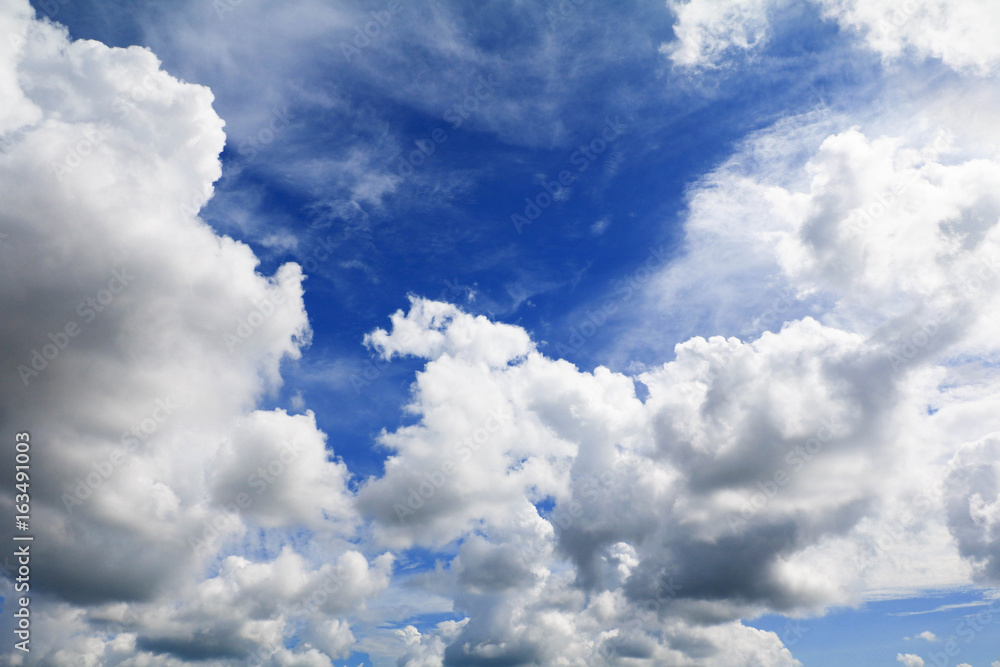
{"x":843,"y":450}
{"x":140,"y":341}
{"x":707,"y":33}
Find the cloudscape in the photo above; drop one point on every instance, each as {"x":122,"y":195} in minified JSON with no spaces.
{"x":549,"y":332}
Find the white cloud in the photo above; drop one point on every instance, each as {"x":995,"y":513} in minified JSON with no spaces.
{"x":600,"y":226}
{"x":910,"y":660}
{"x":143,"y":341}
{"x":540,"y":428}
{"x":718,"y":459}
{"x":960,"y":34}
{"x":707,"y":31}
{"x":972,"y":492}
{"x":279,"y":462}
{"x":786,"y":471}
{"x":927,"y":635}
{"x":889,"y":242}
{"x":836,"y":221}
{"x":685,"y":465}
{"x":433,"y":329}
{"x":248,"y":608}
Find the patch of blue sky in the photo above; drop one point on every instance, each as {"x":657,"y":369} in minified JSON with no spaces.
{"x":873,"y":634}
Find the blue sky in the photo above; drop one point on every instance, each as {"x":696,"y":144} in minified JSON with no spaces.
{"x":446,"y":231}
{"x":715,"y":159}
{"x":884,"y":628}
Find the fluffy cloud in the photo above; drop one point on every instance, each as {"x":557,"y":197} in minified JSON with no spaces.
{"x":910,"y":660}
{"x":707,"y":32}
{"x":845,"y":448}
{"x":958,"y":33}
{"x":433,"y":329}
{"x":280,"y":462}
{"x":537,"y":430}
{"x":651,"y":501}
{"x":247,"y":608}
{"x":895,"y":241}
{"x":822,"y":453}
{"x":140,"y":342}
{"x":972,"y":491}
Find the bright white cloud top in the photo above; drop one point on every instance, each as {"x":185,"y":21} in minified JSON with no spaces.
{"x":849,"y":451}
{"x":959,"y":33}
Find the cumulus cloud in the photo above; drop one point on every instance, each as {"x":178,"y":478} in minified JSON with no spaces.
{"x":843,"y":448}
{"x":957,"y":33}
{"x":910,"y":660}
{"x":140,"y":343}
{"x":281,"y":463}
{"x":651,"y":501}
{"x":826,"y":442}
{"x":707,"y":32}
{"x":537,"y":429}
{"x":432,"y":329}
{"x":972,"y":491}
{"x":835,"y":223}
{"x":243,"y":611}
